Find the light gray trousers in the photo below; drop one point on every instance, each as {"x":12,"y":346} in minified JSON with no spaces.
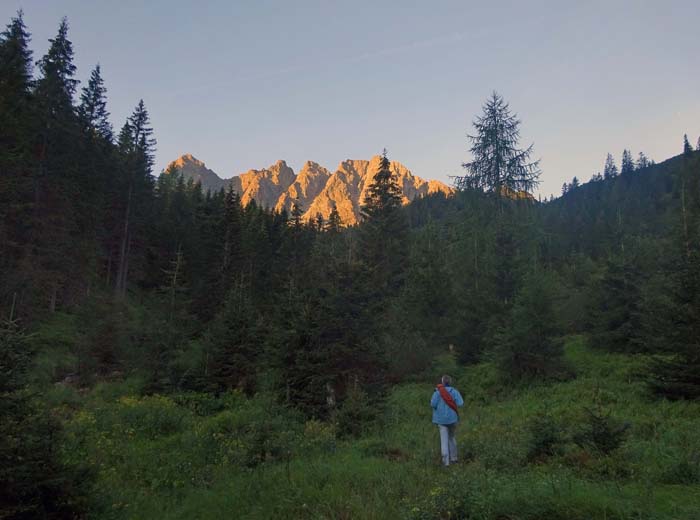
{"x":448,"y":444}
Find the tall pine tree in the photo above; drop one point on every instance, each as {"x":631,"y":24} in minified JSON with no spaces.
{"x":136,"y":145}
{"x":59,"y":207}
{"x":498,"y":165}
{"x":610,"y":169}
{"x":687,"y":147}
{"x":383,"y":233}
{"x":627,"y":162}
{"x":16,"y":155}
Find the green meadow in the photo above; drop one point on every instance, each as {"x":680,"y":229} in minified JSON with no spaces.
{"x":530,"y":452}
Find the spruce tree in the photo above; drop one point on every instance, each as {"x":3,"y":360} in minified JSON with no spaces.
{"x":383,"y":232}
{"x":427,"y":302}
{"x":33,"y":481}
{"x":136,"y":146}
{"x":309,"y":340}
{"x":687,"y":147}
{"x":498,"y":165}
{"x":506,"y":263}
{"x":169,"y":327}
{"x":15,"y":62}
{"x":93,"y":106}
{"x":676,"y":375}
{"x":16,"y":151}
{"x":57,"y":83}
{"x":334,"y":223}
{"x":642,"y":161}
{"x":478,"y":308}
{"x":627,"y":162}
{"x":15,"y":91}
{"x":232,"y":259}
{"x":220,"y":257}
{"x":60,"y":209}
{"x":610,"y":169}
{"x":328,"y":334}
{"x":297,"y":213}
{"x":98,"y":166}
{"x":233,"y":344}
{"x":318,"y":222}
{"x":384,"y":194}
{"x":616,"y":317}
{"x":528,"y":347}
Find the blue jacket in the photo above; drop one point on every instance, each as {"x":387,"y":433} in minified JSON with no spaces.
{"x":443,"y":414}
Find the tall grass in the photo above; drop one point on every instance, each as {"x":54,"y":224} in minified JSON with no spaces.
{"x":195,"y":456}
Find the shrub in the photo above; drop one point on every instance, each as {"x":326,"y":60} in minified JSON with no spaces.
{"x":356,"y":413}
{"x":319,"y":436}
{"x":684,"y":471}
{"x":34,"y":482}
{"x":200,"y":404}
{"x":545,"y":436}
{"x":601,"y":432}
{"x":251,"y":433}
{"x":152,"y":416}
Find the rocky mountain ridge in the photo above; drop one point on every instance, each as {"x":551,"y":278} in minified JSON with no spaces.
{"x":314,"y":188}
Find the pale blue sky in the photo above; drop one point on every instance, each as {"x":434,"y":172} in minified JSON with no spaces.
{"x":242,"y":84}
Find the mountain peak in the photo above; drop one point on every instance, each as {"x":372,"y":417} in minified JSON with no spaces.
{"x":185,"y":159}
{"x":315,"y":189}
{"x":191,"y":167}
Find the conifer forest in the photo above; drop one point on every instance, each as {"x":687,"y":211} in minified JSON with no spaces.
{"x":168,"y":351}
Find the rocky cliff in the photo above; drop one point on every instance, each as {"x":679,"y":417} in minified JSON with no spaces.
{"x":315,"y":189}
{"x":190,"y":167}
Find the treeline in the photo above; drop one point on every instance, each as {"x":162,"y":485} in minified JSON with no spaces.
{"x":188,"y":289}
{"x":241,"y":297}
{"x":87,"y":229}
{"x":192,"y":292}
{"x":617,"y":258}
{"x":75,"y":199}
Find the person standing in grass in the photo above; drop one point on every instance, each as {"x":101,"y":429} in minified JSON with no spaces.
{"x":445,"y":401}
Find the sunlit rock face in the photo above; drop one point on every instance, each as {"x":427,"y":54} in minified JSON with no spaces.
{"x":306,"y":187}
{"x":265,"y":186}
{"x":192,"y":168}
{"x":314,"y":189}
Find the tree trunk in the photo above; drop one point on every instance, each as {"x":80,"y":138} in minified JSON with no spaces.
{"x":120,"y":283}
{"x":52,"y":303}
{"x":686,"y":238}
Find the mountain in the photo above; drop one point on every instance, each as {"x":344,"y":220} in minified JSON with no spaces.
{"x":315,"y":189}
{"x":193,"y":168}
{"x":306,"y":187}
{"x":264,"y":186}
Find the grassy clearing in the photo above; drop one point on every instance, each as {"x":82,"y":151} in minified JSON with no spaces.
{"x":194,"y":456}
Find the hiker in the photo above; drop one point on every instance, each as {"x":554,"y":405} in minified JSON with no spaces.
{"x":445,"y":401}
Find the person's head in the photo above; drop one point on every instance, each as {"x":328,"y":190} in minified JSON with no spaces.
{"x":446,"y":380}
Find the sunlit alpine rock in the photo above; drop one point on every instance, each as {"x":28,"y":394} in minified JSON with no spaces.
{"x":314,"y":189}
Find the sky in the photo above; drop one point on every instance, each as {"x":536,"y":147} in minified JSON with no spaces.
{"x":241,"y":84}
